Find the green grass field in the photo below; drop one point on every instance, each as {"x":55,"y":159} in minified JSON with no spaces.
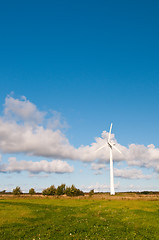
{"x":84,"y":218}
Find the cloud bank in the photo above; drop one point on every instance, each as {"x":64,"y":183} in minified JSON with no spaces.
{"x":99,"y":187}
{"x":23,"y":129}
{"x":22,"y":110}
{"x":130,"y":174}
{"x":55,"y":166}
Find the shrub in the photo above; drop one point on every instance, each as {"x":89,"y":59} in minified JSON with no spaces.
{"x":61,"y":189}
{"x":49,"y":191}
{"x":73,"y":191}
{"x":3,"y":192}
{"x":91,"y":192}
{"x":32,"y":191}
{"x":17,"y":191}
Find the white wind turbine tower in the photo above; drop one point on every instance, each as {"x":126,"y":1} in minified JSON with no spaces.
{"x":111,"y":146}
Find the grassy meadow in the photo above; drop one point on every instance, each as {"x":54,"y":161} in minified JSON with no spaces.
{"x":78,"y":218}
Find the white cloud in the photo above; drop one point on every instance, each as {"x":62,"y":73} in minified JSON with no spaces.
{"x":99,"y":187}
{"x":33,"y":140}
{"x":37,"y":140}
{"x":121,"y":173}
{"x":142,"y":156}
{"x":97,"y":166}
{"x":130,"y":174}
{"x":140,"y":188}
{"x":38,"y":176}
{"x":22,"y":110}
{"x":55,"y":166}
{"x":56,"y":122}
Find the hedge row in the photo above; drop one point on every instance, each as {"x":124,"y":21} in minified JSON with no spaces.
{"x":60,"y":190}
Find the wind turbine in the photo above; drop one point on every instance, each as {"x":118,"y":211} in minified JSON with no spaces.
{"x":111,"y":146}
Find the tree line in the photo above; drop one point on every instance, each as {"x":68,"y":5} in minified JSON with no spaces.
{"x":52,"y":190}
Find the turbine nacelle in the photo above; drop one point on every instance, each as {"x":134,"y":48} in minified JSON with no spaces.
{"x":110,"y":144}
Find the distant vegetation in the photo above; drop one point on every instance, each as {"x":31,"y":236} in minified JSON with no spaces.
{"x":70,"y":191}
{"x":50,"y":191}
{"x":73,"y":191}
{"x":3,"y":192}
{"x":32,"y":191}
{"x":91,"y":192}
{"x":148,"y":192}
{"x":62,"y":189}
{"x":17,"y":191}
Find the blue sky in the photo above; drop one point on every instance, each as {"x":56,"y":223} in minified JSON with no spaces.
{"x":80,"y":65}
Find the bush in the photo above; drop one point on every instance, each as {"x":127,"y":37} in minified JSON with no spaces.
{"x":91,"y":192}
{"x":3,"y":192}
{"x":32,"y":191}
{"x":73,"y":191}
{"x":17,"y":191}
{"x":61,"y":189}
{"x":49,"y":191}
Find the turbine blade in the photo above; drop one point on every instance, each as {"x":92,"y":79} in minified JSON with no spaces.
{"x":117,"y":149}
{"x":110,"y":132}
{"x":101,"y":148}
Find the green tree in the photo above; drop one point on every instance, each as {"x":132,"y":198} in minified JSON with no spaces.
{"x":49,"y":191}
{"x":3,"y":192}
{"x":73,"y":191}
{"x":32,"y":191}
{"x":91,"y":192}
{"x":61,"y":189}
{"x":44,"y":191}
{"x":17,"y":191}
{"x":68,"y":191}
